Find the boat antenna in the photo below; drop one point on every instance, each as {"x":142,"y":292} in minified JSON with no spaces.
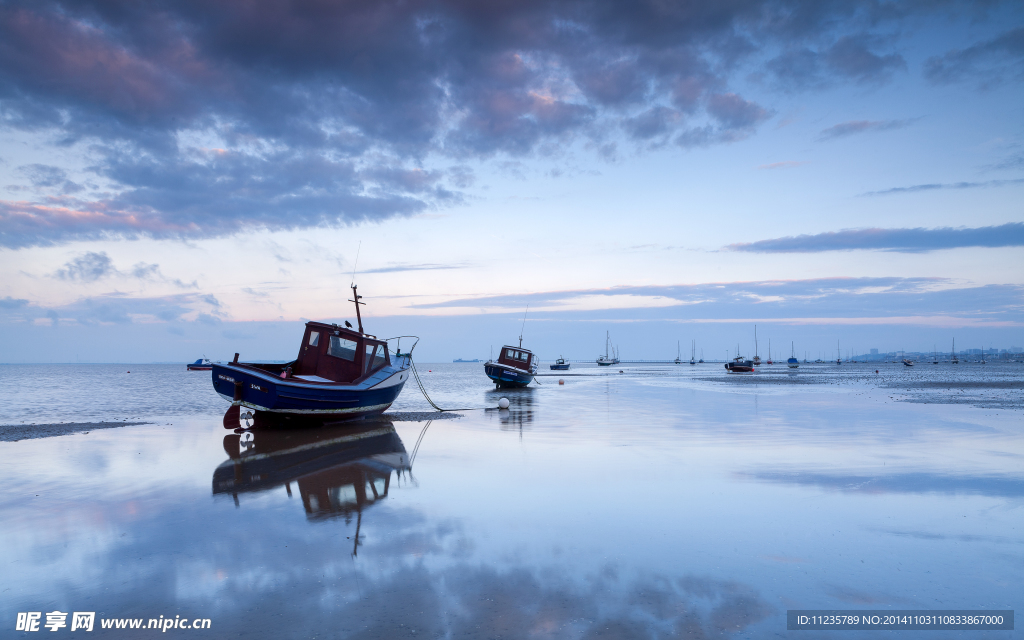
{"x":355,"y":294}
{"x":523,"y":327}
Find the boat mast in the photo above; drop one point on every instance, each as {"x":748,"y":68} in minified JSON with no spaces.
{"x":523,"y":327}
{"x":356,"y":297}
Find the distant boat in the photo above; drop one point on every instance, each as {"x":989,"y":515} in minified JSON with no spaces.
{"x":560,"y":365}
{"x":739,"y":365}
{"x":839,"y":359}
{"x":609,"y":357}
{"x":792,"y":362}
{"x":202,"y":364}
{"x":678,"y":359}
{"x":515,"y":367}
{"x":953,"y":359}
{"x":461,"y":360}
{"x":693,"y":352}
{"x":701,"y":361}
{"x":769,"y":351}
{"x":757,"y":359}
{"x":907,"y":362}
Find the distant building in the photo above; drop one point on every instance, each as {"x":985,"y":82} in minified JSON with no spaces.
{"x":874,"y":352}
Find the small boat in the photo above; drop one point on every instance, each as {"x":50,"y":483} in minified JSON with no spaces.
{"x":609,"y":357}
{"x":839,"y":357}
{"x":792,"y":362}
{"x":461,"y":360}
{"x":679,"y":359}
{"x":693,"y":352}
{"x":739,"y":365}
{"x":202,"y":364}
{"x":953,"y":358}
{"x":560,"y":365}
{"x":338,"y":372}
{"x":757,"y":358}
{"x":701,"y":361}
{"x":907,"y":362}
{"x":515,"y":367}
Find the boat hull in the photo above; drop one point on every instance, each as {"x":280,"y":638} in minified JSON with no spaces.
{"x":246,"y":387}
{"x":505,"y":376}
{"x":560,"y":367}
{"x":199,"y":367}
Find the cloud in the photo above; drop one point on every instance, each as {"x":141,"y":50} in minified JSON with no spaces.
{"x":988,"y":62}
{"x":903,"y":240}
{"x":414,"y":267}
{"x":854,"y":127}
{"x":205,"y":119}
{"x":785,"y":164}
{"x":848,"y":58}
{"x":118,"y":308}
{"x":88,"y":267}
{"x":9,"y":303}
{"x":951,"y":185}
{"x":843,"y":301}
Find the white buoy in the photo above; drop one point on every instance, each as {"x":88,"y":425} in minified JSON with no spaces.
{"x":503,"y":403}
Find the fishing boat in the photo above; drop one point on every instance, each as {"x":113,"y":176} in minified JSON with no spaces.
{"x":611,"y":356}
{"x":515,"y":367}
{"x":693,"y":352}
{"x":202,"y":364}
{"x":793,"y":363}
{"x":339,"y":371}
{"x":739,"y":365}
{"x":908,"y":362}
{"x":560,"y":365}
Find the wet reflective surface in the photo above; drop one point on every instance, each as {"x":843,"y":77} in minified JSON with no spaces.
{"x":660,"y":502}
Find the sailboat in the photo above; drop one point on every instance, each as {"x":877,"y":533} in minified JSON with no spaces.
{"x":935,"y":358}
{"x":679,"y":359}
{"x":769,"y":350}
{"x":757,"y":358}
{"x":792,"y":362}
{"x":983,"y":355}
{"x":609,"y":357}
{"x":839,"y":354}
{"x":701,"y":361}
{"x":693,"y":352}
{"x":953,"y":359}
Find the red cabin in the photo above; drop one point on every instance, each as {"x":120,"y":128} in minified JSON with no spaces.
{"x":516,"y":357}
{"x":330,"y":353}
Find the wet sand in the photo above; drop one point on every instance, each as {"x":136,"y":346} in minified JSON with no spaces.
{"x":16,"y":432}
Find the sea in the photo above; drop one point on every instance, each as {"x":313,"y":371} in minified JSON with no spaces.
{"x":637,"y":501}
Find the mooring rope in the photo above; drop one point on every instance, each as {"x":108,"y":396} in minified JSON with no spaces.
{"x":419,"y":382}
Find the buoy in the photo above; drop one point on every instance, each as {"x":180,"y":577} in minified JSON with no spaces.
{"x":620,"y":370}
{"x":876,"y":370}
{"x":561,"y":382}
{"x":503,"y":403}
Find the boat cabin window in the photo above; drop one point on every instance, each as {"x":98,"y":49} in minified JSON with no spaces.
{"x":376,"y":357}
{"x":514,"y":354}
{"x":314,"y":338}
{"x":342,"y":348}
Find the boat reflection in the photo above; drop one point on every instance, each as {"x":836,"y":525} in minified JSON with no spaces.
{"x":339,"y":470}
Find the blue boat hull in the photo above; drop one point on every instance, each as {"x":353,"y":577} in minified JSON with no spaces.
{"x":560,"y":367}
{"x":507,"y":376}
{"x":266,"y":392}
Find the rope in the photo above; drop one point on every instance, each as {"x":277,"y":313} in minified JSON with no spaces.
{"x":416,"y":374}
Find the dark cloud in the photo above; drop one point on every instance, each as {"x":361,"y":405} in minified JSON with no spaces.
{"x":849,"y":58}
{"x":88,"y":267}
{"x":854,"y":127}
{"x":987,"y":62}
{"x":118,"y":308}
{"x":904,"y":240}
{"x":208,"y":118}
{"x":951,"y":185}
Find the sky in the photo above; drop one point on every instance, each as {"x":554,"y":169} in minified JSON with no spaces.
{"x":180,"y":179}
